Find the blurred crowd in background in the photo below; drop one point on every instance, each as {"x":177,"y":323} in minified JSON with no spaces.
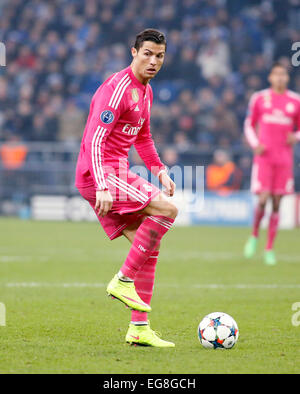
{"x":219,"y":52}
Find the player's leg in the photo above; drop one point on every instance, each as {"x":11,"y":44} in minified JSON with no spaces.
{"x":140,"y":196}
{"x":270,"y":257}
{"x":113,"y":224}
{"x":261,"y":185}
{"x":283,"y":184}
{"x":161,"y":206}
{"x":161,"y":215}
{"x":251,"y":244}
{"x":139,"y":331}
{"x":259,"y":212}
{"x":144,"y":280}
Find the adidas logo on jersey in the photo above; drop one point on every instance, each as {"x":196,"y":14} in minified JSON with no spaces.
{"x":136,"y":108}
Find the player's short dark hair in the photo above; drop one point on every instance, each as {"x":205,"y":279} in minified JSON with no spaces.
{"x":278,"y":64}
{"x":150,"y":35}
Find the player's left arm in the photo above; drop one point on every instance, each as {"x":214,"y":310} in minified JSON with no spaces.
{"x":294,"y":137}
{"x":297,"y":132}
{"x":145,"y":147}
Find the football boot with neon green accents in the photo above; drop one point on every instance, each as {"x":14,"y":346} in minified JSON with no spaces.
{"x":270,"y":257}
{"x":250,"y":247}
{"x":145,"y":336}
{"x":126,"y":293}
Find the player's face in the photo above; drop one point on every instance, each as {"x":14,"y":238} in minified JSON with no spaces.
{"x":279,"y":78}
{"x":149,"y":59}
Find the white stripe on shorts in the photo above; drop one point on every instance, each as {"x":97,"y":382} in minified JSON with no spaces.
{"x":130,"y":187}
{"x":126,"y":190}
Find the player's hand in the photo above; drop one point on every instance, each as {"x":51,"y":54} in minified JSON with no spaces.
{"x":292,"y":139}
{"x":259,"y":149}
{"x":167,"y":182}
{"x":104,"y":202}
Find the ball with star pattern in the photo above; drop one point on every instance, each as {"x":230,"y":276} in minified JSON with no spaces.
{"x":218,"y":330}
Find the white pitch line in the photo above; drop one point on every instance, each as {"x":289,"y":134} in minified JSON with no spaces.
{"x":167,"y":255}
{"x":196,"y":286}
{"x":22,"y":259}
{"x":249,"y":286}
{"x":216,"y":256}
{"x":57,"y":285}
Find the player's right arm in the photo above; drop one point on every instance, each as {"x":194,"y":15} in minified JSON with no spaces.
{"x":251,"y":123}
{"x":104,"y":114}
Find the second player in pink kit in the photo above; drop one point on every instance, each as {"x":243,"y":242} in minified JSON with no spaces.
{"x":126,"y":204}
{"x":272,"y":127}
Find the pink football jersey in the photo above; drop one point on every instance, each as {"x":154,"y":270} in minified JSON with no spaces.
{"x":271,"y":117}
{"x":119,"y":117}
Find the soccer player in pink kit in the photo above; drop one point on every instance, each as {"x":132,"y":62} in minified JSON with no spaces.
{"x":272,"y":128}
{"x":125,"y":203}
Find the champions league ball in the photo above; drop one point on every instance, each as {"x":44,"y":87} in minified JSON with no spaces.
{"x":218,"y":331}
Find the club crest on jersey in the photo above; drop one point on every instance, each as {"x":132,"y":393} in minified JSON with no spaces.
{"x":267,"y":104}
{"x":107,"y":117}
{"x":290,"y":107}
{"x":267,"y":100}
{"x":135,"y":95}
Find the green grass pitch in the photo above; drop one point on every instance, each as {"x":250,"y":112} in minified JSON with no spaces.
{"x":59,"y":319}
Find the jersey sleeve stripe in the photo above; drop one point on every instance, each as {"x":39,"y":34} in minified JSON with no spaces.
{"x":126,"y":76}
{"x":96,"y":157}
{"x":250,"y":134}
{"x":97,"y":153}
{"x":293,"y":95}
{"x":93,"y":157}
{"x":122,"y":93}
{"x":127,"y":80}
{"x":102,"y":133}
{"x":253,"y":99}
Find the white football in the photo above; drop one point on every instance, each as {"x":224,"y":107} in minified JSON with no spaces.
{"x":218,"y":330}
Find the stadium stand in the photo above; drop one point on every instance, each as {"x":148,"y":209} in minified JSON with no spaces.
{"x":218,"y":54}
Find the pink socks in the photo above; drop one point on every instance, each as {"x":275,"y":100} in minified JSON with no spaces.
{"x":272,"y":230}
{"x":146,"y":240}
{"x":258,"y":215}
{"x":144,"y":282}
{"x":141,"y":261}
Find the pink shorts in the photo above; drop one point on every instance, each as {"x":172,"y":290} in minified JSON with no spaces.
{"x":277,"y":179}
{"x":130,"y":193}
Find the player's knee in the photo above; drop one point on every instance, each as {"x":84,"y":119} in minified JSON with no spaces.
{"x":172,"y":211}
{"x":262,"y":205}
{"x":162,"y":207}
{"x":276,"y":207}
{"x":263,"y":201}
{"x":276,"y":203}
